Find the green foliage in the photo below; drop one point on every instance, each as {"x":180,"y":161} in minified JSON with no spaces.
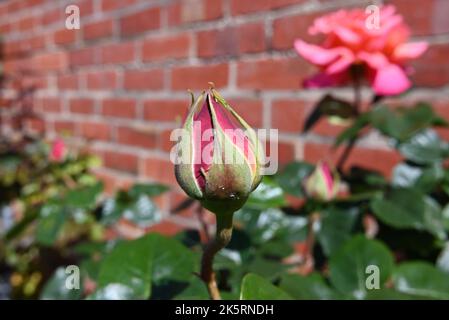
{"x":315,"y":250}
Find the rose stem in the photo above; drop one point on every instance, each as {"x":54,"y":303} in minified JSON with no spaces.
{"x":222,"y":238}
{"x":357,"y":101}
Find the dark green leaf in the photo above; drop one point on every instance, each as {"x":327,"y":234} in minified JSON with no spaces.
{"x":140,"y":210}
{"x":52,"y":218}
{"x":425,"y":148}
{"x":443,"y":259}
{"x":329,"y":106}
{"x":267,"y":195}
{"x":150,"y":190}
{"x":311,"y":287}
{"x":84,"y":197}
{"x":402,"y":123}
{"x":269,"y":224}
{"x":255,"y":287}
{"x":335,"y":228}
{"x":408,"y":208}
{"x":353,"y":131}
{"x":348,"y":266}
{"x":292,"y":177}
{"x":56,"y":287}
{"x":132,"y":267}
{"x":421,"y":279}
{"x":196,"y":290}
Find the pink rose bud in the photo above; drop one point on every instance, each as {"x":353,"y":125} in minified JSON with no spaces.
{"x":58,"y":150}
{"x":323,"y":183}
{"x":220,"y":155}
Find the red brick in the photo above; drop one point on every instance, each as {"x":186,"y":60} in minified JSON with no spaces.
{"x":81,"y":105}
{"x":167,"y":228}
{"x":68,"y":81}
{"x":63,"y":127}
{"x":288,"y":115}
{"x":287,"y":29}
{"x":27,"y":23}
{"x":120,"y":161}
{"x":137,"y":137}
{"x":441,"y":107}
{"x":35,"y":124}
{"x":32,"y":3}
{"x":65,"y":36}
{"x":249,"y":109}
{"x":98,"y":29}
{"x":5,"y":28}
{"x":52,"y":16}
{"x":432,"y":69}
{"x":120,"y":108}
{"x":49,"y":104}
{"x":248,"y":38}
{"x":249,"y":6}
{"x":99,"y":80}
{"x":165,"y":144}
{"x":95,"y":130}
{"x":118,"y":53}
{"x":83,"y":57}
{"x":112,"y":182}
{"x":159,"y":170}
{"x":194,"y":10}
{"x":166,"y":47}
{"x":86,"y":7}
{"x":107,"y":5}
{"x":140,"y":21}
{"x":429,"y":19}
{"x":281,"y":73}
{"x":53,"y":61}
{"x":143,"y":80}
{"x":285,"y":151}
{"x":198,"y":77}
{"x":374,"y":159}
{"x":165,"y":110}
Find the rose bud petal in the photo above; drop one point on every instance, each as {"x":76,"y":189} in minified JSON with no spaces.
{"x":323,"y":183}
{"x":221,"y":155}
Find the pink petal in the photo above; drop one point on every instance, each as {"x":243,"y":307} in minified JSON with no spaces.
{"x":202,"y":122}
{"x":347,"y":35}
{"x":374,"y":60}
{"x":346,"y":59}
{"x":390,"y":80}
{"x":328,"y":179}
{"x":323,"y":80}
{"x":407,"y":51}
{"x":315,"y":54}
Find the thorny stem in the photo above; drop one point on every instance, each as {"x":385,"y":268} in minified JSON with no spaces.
{"x":357,"y":103}
{"x":222,"y":238}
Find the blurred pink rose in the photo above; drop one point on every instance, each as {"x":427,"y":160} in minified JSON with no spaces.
{"x":348,"y":41}
{"x":58,"y":150}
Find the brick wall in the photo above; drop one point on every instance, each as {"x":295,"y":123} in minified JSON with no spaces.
{"x":118,"y":85}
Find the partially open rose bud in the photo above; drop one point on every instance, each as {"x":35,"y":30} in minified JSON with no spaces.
{"x":220,"y":155}
{"x":323,"y":183}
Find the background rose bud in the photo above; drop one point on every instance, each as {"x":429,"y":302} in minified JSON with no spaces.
{"x":222,"y":153}
{"x":58,"y":150}
{"x":323,"y":183}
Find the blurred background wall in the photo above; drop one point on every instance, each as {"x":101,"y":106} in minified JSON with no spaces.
{"x":118,"y":85}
